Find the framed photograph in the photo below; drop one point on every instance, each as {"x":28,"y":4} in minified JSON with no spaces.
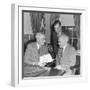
{"x":47,"y":44}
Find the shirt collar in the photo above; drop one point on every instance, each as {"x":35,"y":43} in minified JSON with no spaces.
{"x":38,"y":46}
{"x":64,"y":47}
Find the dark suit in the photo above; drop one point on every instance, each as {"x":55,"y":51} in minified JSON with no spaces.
{"x":31,"y":59}
{"x":54,"y":42}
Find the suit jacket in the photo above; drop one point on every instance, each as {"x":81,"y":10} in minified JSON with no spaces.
{"x":32,"y":55}
{"x":54,"y":42}
{"x":31,"y":59}
{"x":68,"y":58}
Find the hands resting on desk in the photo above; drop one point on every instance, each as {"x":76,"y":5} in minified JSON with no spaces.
{"x":62,"y":67}
{"x":48,"y":65}
{"x":44,"y":65}
{"x":52,"y":65}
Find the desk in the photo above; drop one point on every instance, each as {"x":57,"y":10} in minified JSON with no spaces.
{"x":28,"y":71}
{"x":56,"y":72}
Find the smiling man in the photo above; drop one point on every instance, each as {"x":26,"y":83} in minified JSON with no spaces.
{"x":32,"y":56}
{"x":66,"y":56}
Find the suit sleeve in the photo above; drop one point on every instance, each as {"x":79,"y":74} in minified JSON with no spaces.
{"x":54,"y":42}
{"x":28,"y":58}
{"x":73,"y":57}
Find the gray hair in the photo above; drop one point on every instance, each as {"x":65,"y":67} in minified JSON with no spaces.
{"x":39,"y":35}
{"x":64,"y":36}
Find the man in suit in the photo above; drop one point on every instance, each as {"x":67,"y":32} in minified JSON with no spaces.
{"x":66,"y":57}
{"x":32,"y":56}
{"x":56,"y":31}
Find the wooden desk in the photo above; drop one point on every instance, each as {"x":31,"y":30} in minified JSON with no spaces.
{"x":50,"y":72}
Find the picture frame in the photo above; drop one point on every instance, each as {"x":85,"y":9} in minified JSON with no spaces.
{"x":17,"y":40}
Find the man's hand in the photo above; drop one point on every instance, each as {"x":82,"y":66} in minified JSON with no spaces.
{"x":61,"y":67}
{"x":65,"y":67}
{"x":58,"y":67}
{"x":42,"y":64}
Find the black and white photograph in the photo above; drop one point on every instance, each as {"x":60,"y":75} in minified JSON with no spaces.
{"x":47,"y":43}
{"x":50,"y":44}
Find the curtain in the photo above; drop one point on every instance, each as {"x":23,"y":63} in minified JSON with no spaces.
{"x":54,"y":17}
{"x":47,"y":26}
{"x":36,"y":18}
{"x":77,"y":24}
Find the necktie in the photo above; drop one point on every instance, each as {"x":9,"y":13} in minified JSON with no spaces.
{"x":39,"y":51}
{"x":60,"y":54}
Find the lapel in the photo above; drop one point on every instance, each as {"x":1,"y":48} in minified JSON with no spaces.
{"x":39,"y":51}
{"x":35,"y":50}
{"x":66,"y":51}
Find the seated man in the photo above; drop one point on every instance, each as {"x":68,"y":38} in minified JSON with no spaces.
{"x":32,"y":56}
{"x":66,"y":56}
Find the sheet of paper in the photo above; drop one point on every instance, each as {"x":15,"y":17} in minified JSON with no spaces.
{"x":46,"y":58}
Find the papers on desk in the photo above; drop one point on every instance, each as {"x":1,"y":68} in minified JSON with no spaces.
{"x":58,"y":67}
{"x":45,"y":59}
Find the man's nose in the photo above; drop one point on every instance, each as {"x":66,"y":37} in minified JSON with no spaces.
{"x":44,"y":41}
{"x":59,"y":43}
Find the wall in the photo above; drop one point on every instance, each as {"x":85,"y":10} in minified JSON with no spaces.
{"x":67,"y":20}
{"x":27,"y":23}
{"x":5,"y":44}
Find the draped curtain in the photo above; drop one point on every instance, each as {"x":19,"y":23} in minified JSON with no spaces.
{"x":47,"y":26}
{"x":54,"y":17}
{"x":77,"y":24}
{"x":36,"y":18}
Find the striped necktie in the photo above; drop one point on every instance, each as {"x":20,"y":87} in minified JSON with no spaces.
{"x":60,"y":54}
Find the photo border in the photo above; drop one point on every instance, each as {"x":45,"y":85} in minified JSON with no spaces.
{"x":17,"y":40}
